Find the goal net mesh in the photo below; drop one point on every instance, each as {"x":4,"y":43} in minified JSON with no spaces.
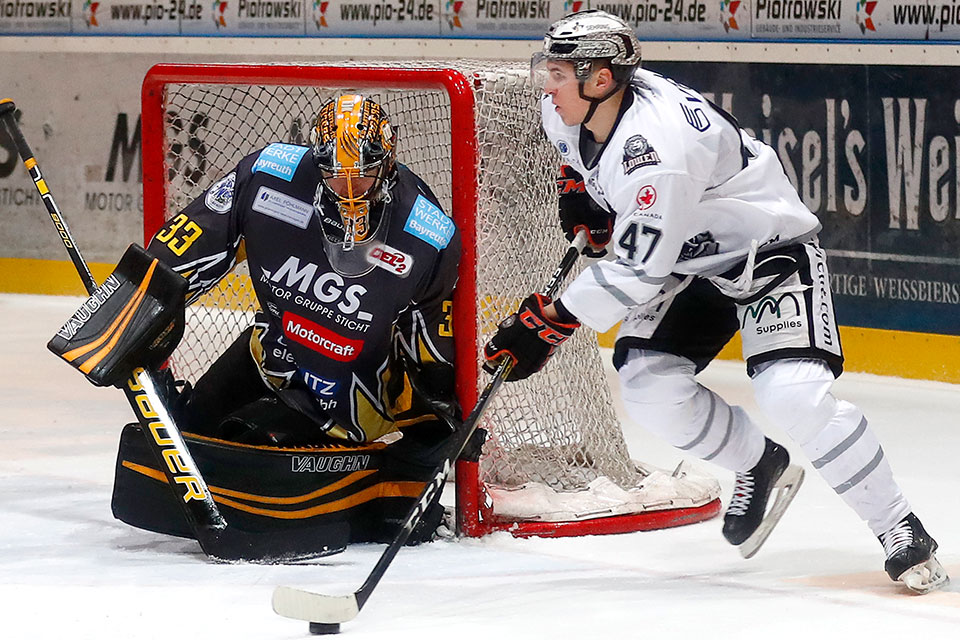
{"x":551,"y":435}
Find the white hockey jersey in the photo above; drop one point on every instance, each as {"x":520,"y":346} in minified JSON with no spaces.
{"x":691,"y":192}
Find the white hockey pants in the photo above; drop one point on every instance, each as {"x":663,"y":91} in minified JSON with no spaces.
{"x":661,"y":393}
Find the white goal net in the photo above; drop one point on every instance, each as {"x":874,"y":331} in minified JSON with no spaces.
{"x":554,"y":452}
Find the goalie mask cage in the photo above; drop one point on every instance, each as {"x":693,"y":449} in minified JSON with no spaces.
{"x":555,"y":461}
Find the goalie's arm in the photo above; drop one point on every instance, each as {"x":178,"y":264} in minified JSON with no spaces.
{"x":425,"y":337}
{"x":202,"y":242}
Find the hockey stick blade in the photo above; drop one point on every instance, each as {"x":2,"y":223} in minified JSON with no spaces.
{"x":231,"y":544}
{"x":314,"y":607}
{"x":787,"y":486}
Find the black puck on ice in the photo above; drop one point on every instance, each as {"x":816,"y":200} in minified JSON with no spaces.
{"x":324,"y":628}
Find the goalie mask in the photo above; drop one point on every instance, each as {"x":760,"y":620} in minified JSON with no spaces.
{"x":354,"y":147}
{"x":584,"y":38}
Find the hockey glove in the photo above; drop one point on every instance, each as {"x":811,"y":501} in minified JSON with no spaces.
{"x":579,"y":211}
{"x":135,"y":319}
{"x":528,"y":338}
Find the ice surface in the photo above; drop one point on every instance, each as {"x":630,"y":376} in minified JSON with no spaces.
{"x":68,"y":570}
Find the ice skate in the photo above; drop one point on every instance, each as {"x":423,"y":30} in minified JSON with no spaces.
{"x":747,"y":522}
{"x":910,"y":556}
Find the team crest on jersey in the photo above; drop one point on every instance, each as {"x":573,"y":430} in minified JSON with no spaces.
{"x":637,"y":153}
{"x":220,"y":196}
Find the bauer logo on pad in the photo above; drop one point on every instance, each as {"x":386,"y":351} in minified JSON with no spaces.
{"x":280,"y":160}
{"x":429,"y":223}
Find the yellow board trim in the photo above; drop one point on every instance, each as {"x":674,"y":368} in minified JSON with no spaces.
{"x":48,"y":277}
{"x":904,"y":354}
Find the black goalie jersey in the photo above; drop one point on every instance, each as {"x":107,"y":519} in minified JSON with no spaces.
{"x":339,"y":336}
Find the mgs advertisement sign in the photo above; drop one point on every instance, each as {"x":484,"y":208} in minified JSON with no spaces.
{"x":874,"y":151}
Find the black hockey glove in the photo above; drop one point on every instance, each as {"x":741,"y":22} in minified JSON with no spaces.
{"x":527,"y":337}
{"x":579,"y":211}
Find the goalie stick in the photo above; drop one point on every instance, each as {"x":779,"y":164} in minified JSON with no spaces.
{"x":326,"y":612}
{"x":217,"y":538}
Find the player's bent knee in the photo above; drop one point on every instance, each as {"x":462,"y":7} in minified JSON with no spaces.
{"x":795,"y":395}
{"x":657,"y":389}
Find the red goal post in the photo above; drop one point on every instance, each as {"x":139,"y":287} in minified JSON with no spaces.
{"x":471,"y":130}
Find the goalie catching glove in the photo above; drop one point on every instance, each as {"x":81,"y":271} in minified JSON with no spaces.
{"x":579,"y":211}
{"x":528,"y":338}
{"x":134,"y":319}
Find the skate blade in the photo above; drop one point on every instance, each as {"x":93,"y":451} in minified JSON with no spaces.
{"x":925,"y":577}
{"x":787,"y":486}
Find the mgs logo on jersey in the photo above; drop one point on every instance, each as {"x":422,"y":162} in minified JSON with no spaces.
{"x":320,"y":339}
{"x":280,"y":160}
{"x":429,"y":223}
{"x":220,"y":196}
{"x":637,"y":153}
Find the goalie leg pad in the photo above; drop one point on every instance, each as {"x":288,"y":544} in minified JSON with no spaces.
{"x":262,"y":488}
{"x":135,"y":318}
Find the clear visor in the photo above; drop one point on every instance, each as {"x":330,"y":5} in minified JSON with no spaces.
{"x":550,"y":74}
{"x":352,"y":228}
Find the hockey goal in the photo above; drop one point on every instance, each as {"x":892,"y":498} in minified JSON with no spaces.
{"x":555,"y":461}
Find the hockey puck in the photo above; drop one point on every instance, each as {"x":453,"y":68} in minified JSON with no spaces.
{"x":323,"y":628}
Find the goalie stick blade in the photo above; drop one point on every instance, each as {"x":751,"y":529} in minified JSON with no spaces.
{"x":314,"y":607}
{"x":787,"y":487}
{"x":275,"y":547}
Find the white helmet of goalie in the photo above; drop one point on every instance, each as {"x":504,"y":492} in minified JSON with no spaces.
{"x":354,"y":147}
{"x":587,"y":36}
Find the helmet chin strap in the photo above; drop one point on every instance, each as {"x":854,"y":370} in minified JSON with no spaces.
{"x":595,"y":102}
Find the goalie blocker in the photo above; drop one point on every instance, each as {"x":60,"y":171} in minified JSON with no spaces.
{"x":134,"y":319}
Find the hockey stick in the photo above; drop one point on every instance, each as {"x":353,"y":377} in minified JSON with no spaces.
{"x":325,"y":612}
{"x":216,"y":538}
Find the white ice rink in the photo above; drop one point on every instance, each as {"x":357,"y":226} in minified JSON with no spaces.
{"x":69,"y":571}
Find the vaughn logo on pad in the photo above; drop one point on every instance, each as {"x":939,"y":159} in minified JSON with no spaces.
{"x":320,"y":339}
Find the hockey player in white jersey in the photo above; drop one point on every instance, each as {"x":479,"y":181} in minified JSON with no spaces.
{"x":708,"y":238}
